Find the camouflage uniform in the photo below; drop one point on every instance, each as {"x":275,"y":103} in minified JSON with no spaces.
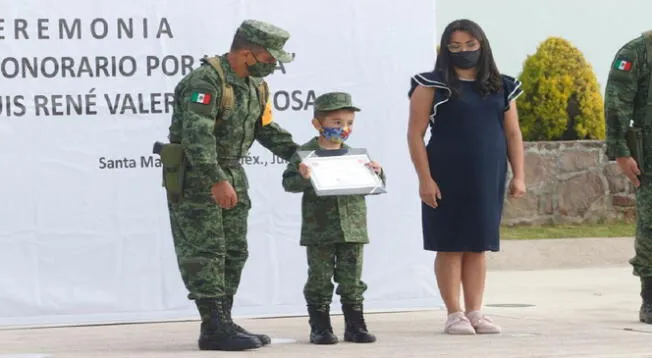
{"x":334,"y":230}
{"x":211,"y":242}
{"x":626,"y":100}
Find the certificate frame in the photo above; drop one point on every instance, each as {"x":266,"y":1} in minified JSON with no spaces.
{"x":355,"y":178}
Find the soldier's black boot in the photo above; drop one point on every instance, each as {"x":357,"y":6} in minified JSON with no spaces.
{"x":217,"y":330}
{"x":263,"y":338}
{"x":321,"y":330}
{"x":645,"y":313}
{"x":356,"y":328}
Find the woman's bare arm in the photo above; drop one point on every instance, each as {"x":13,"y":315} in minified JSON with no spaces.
{"x":514,"y":142}
{"x":420,"y":105}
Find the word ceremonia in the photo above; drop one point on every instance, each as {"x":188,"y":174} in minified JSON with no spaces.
{"x":77,"y":29}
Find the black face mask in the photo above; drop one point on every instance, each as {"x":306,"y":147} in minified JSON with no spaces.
{"x":465,"y":59}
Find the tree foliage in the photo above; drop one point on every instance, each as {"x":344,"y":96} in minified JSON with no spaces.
{"x":561,"y":99}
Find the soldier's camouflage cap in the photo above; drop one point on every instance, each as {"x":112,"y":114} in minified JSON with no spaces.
{"x":268,"y":36}
{"x":333,"y":101}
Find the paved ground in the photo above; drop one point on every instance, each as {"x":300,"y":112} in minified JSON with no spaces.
{"x":589,"y":312}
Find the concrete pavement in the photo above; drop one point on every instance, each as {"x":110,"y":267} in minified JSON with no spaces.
{"x":585,"y":312}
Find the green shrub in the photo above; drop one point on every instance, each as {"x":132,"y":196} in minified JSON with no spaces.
{"x":561,"y":99}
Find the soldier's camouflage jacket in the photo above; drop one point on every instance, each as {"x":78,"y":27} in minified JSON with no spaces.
{"x":215,"y":150}
{"x":626,"y":99}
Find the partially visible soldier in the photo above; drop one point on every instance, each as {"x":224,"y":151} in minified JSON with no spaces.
{"x":628,"y":100}
{"x":220,"y":108}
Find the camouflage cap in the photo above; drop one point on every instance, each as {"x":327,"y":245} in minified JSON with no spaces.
{"x":333,"y":101}
{"x":270,"y":37}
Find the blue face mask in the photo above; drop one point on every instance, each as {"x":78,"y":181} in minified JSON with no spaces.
{"x":336,"y":134}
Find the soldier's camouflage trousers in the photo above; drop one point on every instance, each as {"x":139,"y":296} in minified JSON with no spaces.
{"x":341,"y":262}
{"x":642,"y":261}
{"x":211,"y":245}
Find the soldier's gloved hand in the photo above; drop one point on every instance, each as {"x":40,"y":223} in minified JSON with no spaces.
{"x":630,"y":168}
{"x":224,"y":194}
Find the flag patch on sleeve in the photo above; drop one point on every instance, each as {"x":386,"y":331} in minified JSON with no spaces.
{"x":202,"y":98}
{"x":623,"y":65}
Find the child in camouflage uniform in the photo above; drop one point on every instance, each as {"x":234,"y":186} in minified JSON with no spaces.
{"x":334,"y":229}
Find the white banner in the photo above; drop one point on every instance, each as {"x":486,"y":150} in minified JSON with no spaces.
{"x":85,"y":90}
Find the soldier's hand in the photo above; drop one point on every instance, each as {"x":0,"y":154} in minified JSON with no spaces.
{"x":224,"y":194}
{"x":630,"y":168}
{"x":304,"y":170}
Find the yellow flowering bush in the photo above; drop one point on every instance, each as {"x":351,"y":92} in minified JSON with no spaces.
{"x":561,"y":99}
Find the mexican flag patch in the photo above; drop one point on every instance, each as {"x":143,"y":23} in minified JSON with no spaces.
{"x":623,"y":65}
{"x":202,"y":98}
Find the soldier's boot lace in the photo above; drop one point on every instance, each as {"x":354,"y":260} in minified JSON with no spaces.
{"x":645,"y":313}
{"x":321,"y":330}
{"x":355,"y":326}
{"x":217,"y":330}
{"x":263,"y":338}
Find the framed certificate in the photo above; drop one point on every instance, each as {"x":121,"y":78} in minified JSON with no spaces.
{"x":342,"y":172}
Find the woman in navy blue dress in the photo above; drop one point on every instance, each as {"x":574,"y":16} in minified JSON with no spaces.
{"x":471,"y":111}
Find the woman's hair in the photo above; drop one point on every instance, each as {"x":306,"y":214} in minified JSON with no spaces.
{"x":488,"y":79}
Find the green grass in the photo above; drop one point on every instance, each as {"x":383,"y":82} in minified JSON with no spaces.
{"x":568,"y":231}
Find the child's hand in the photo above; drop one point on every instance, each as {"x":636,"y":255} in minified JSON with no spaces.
{"x":375,"y":166}
{"x":304,"y":170}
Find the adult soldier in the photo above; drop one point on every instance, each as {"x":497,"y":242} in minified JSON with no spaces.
{"x":220,"y":108}
{"x":628,"y":100}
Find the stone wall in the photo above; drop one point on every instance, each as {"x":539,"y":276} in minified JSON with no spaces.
{"x":571,"y":182}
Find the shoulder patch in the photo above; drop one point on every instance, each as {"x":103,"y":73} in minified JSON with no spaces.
{"x":202,"y":101}
{"x":623,"y":63}
{"x":201,"y":97}
{"x":268,"y":117}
